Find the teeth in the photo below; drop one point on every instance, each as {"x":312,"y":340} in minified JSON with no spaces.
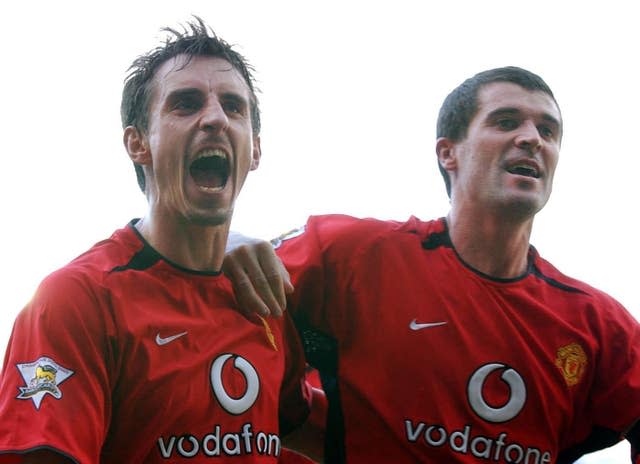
{"x":210,"y":169}
{"x":215,"y":153}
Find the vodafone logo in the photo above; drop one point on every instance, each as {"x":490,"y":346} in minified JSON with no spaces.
{"x":234,"y":405}
{"x":497,"y":393}
{"x":517,"y":393}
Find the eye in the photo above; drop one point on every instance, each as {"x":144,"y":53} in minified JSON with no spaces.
{"x":546,"y":131}
{"x":233,"y":105}
{"x":507,"y":124}
{"x":186,"y":104}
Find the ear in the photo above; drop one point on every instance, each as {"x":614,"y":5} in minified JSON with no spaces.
{"x":445,"y":149}
{"x":257,"y":153}
{"x":136,"y":145}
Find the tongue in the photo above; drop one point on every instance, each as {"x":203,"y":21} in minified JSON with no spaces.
{"x":209,"y":178}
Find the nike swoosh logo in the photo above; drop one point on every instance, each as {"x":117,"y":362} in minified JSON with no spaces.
{"x":414,"y":325}
{"x":163,"y":341}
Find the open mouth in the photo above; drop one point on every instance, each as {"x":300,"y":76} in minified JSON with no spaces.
{"x":524,"y":170}
{"x":210,"y":170}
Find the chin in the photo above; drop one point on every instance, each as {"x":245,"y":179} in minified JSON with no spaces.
{"x":210,"y":219}
{"x":523,"y":208}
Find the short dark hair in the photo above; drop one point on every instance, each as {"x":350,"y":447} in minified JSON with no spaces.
{"x":461,"y":105}
{"x":195,"y":39}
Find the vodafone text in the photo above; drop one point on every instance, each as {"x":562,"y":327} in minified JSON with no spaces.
{"x":495,"y":449}
{"x":217,"y":444}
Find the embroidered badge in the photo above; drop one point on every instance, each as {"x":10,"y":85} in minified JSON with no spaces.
{"x":572,"y":362}
{"x":269,"y":333}
{"x":276,"y":242}
{"x":41,"y":377}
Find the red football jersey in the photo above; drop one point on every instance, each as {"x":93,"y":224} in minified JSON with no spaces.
{"x":124,"y":357}
{"x":424,"y":359}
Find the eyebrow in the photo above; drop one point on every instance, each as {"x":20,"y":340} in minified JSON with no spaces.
{"x":195,"y":92}
{"x":514,"y":111}
{"x":235,"y":97}
{"x":183,"y":92}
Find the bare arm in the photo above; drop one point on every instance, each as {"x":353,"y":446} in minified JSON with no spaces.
{"x":259,"y":278}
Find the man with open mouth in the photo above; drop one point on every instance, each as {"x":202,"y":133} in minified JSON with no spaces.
{"x":136,"y":351}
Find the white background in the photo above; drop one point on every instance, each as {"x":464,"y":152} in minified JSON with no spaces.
{"x":351,"y":90}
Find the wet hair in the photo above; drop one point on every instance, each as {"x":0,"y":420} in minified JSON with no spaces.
{"x":195,"y":39}
{"x":461,"y":105}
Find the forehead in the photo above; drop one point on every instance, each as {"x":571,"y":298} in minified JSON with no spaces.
{"x":497,"y":95}
{"x":205,"y":73}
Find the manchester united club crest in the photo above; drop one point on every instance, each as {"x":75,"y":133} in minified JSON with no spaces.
{"x":572,"y":362}
{"x":42,"y":377}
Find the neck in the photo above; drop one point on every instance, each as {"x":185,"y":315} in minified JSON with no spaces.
{"x":490,"y":244}
{"x":192,"y":246}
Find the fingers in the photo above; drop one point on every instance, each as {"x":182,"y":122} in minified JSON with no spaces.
{"x":288,"y":286}
{"x":249,"y":302}
{"x":277,"y":285}
{"x":259,"y":278}
{"x":239,"y":266}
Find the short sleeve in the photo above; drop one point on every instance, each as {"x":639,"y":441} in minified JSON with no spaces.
{"x":55,"y":385}
{"x":317,"y":257}
{"x":615,"y":396}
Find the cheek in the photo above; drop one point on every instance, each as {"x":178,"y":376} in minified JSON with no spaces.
{"x":167,"y":160}
{"x":243,"y":167}
{"x":246,"y":161}
{"x":552,"y":163}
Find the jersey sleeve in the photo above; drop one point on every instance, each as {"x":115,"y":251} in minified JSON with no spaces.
{"x":317,"y":258}
{"x":301,"y":253}
{"x":55,"y":384}
{"x":615,"y":397}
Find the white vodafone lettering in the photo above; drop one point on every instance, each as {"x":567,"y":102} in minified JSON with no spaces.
{"x":464,"y":441}
{"x":220,"y":444}
{"x":468,"y":439}
{"x":517,"y":394}
{"x":191,"y":450}
{"x":166,"y":448}
{"x":232,"y":405}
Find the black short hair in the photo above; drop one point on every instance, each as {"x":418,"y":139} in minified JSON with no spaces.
{"x":461,"y":105}
{"x":195,"y":39}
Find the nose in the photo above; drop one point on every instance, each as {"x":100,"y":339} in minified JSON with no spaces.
{"x":214,"y":118}
{"x":528,"y":137}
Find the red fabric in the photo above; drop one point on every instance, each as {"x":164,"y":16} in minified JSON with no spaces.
{"x":159,"y":365}
{"x":440,"y":363}
{"x":291,"y":457}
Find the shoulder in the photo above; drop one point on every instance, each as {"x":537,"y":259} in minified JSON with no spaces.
{"x":600,"y":307}
{"x":350,"y":231}
{"x":546,"y":271}
{"x":81,"y":282}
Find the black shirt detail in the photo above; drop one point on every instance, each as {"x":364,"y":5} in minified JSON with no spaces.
{"x":321,"y":352}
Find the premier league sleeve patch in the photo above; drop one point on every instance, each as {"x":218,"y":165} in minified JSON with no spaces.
{"x":41,"y":377}
{"x":276,"y":242}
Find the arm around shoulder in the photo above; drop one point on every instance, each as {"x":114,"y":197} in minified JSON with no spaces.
{"x":259,"y":278}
